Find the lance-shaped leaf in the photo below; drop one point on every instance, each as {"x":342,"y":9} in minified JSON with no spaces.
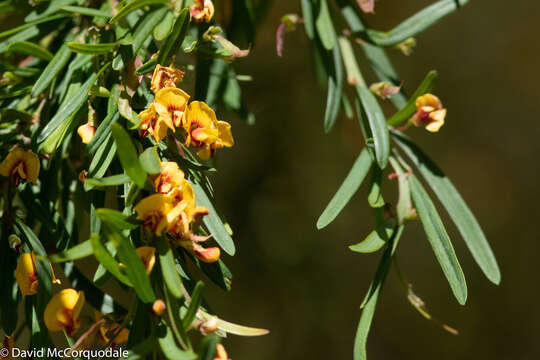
{"x":150,"y":160}
{"x":169,"y":348}
{"x":170,"y":45}
{"x":91,"y":49}
{"x":30,"y":24}
{"x":168,"y":269}
{"x":370,"y":302}
{"x":113,"y":180}
{"x":31,"y":49}
{"x":85,"y":11}
{"x":350,"y":186}
{"x":128,"y":155}
{"x":213,"y":221}
{"x":134,"y":5}
{"x":116,"y":219}
{"x":194,"y":304}
{"x":134,"y":267}
{"x":324,"y":26}
{"x":372,"y":112}
{"x":68,"y":109}
{"x":307,"y":15}
{"x":52,"y":69}
{"x":410,"y":108}
{"x":108,"y":262}
{"x":77,"y":252}
{"x":335,"y":89}
{"x":413,"y":25}
{"x":455,"y":206}
{"x":439,"y":239}
{"x":233,"y":328}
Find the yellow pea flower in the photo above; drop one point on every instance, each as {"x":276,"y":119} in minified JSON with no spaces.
{"x":207,"y":255}
{"x":86,"y":132}
{"x":221,"y":354}
{"x":164,"y":77}
{"x":63,"y":310}
{"x":205,"y":131}
{"x":20,"y":165}
{"x":154,"y":124}
{"x":147,"y":254}
{"x":156,"y":213}
{"x":430,"y":113}
{"x":202,"y":10}
{"x":170,"y":177}
{"x":26,"y":274}
{"x":172,"y":105}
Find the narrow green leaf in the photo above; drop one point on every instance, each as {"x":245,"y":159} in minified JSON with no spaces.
{"x":113,"y":180}
{"x":335,"y":89}
{"x":101,"y":161}
{"x":70,"y":107}
{"x":103,"y":132}
{"x":29,"y":48}
{"x":372,"y":243}
{"x":194,"y":304}
{"x":410,"y":108}
{"x":307,"y":15}
{"x":375,"y":198}
{"x":172,"y":43}
{"x":128,"y":155}
{"x":52,"y":69}
{"x":77,"y":252}
{"x":142,"y":349}
{"x":147,"y":67}
{"x":350,"y":186}
{"x":134,"y":5}
{"x":170,"y":349}
{"x":456,"y":207}
{"x":25,"y":34}
{"x":117,"y":219}
{"x":324,"y":26}
{"x":213,"y":221}
{"x":33,"y":240}
{"x":370,"y":302}
{"x":91,"y":49}
{"x":377,"y":125}
{"x":168,"y":268}
{"x":108,"y":262}
{"x":353,"y":72}
{"x":415,"y":24}
{"x":150,"y":160}
{"x":164,"y":28}
{"x":85,"y":11}
{"x":134,"y":267}
{"x":439,"y":239}
{"x":143,"y":31}
{"x":29,"y":25}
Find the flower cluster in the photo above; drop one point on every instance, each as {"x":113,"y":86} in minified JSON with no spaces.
{"x":170,"y":111}
{"x":173,"y":210}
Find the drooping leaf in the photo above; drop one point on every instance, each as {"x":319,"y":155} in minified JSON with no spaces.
{"x":213,"y":221}
{"x":113,"y":180}
{"x":194,"y":304}
{"x":324,"y":26}
{"x":172,"y":43}
{"x":52,"y":69}
{"x":77,"y":252}
{"x":456,"y":207}
{"x":117,"y":219}
{"x":335,"y":89}
{"x":134,"y":5}
{"x":128,"y":155}
{"x":439,"y":239}
{"x":350,"y":186}
{"x":31,"y":49}
{"x":150,"y":160}
{"x":307,"y":15}
{"x":105,"y":258}
{"x":168,"y":269}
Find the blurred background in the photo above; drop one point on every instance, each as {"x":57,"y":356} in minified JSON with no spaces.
{"x":305,"y":285}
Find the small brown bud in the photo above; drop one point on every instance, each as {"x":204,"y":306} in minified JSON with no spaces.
{"x":158,"y":308}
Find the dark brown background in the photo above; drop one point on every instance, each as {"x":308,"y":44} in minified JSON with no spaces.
{"x":305,"y":285}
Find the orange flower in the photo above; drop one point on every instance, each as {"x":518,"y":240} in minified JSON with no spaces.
{"x":20,"y":165}
{"x":202,"y":10}
{"x":164,"y":77}
{"x":154,"y":124}
{"x":156,"y":213}
{"x":171,"y":104}
{"x":205,"y":131}
{"x":430,"y":113}
{"x":170,"y":177}
{"x":63,"y":310}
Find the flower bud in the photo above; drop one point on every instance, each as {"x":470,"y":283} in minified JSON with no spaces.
{"x":209,"y":326}
{"x":384,"y":89}
{"x":86,"y":132}
{"x":407,"y":46}
{"x":63,"y":310}
{"x":26,"y":274}
{"x":158,"y":307}
{"x":207,"y":255}
{"x":14,"y":242}
{"x":202,"y":10}
{"x":221,"y":354}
